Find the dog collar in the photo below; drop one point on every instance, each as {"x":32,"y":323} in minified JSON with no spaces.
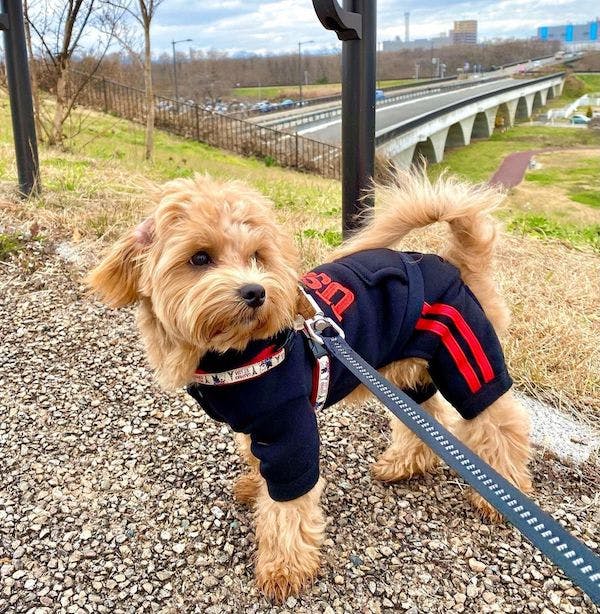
{"x":267,"y":359}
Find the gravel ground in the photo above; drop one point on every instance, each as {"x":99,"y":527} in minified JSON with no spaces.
{"x":116,"y":497}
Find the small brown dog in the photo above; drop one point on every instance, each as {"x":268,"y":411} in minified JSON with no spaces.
{"x":216,"y":281}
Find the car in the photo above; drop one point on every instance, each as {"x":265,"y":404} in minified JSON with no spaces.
{"x":379,"y":95}
{"x":264,"y":106}
{"x":579,"y":119}
{"x":288,"y":103}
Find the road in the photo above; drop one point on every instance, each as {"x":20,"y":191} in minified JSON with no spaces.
{"x":329,"y":131}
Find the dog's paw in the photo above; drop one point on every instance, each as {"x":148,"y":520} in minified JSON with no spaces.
{"x":394,"y":467}
{"x":489,"y":512}
{"x":278,"y":581}
{"x":246,"y":487}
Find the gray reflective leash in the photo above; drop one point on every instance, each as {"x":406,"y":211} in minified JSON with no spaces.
{"x":568,"y":553}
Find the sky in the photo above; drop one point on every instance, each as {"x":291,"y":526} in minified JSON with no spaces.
{"x":276,"y":26}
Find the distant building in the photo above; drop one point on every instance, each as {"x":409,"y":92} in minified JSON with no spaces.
{"x":418,"y":43}
{"x":572,"y":36}
{"x":464,"y":32}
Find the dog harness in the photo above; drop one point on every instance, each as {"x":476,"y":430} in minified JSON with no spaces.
{"x":390,"y":305}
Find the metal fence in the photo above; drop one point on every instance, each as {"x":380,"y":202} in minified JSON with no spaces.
{"x":193,"y":122}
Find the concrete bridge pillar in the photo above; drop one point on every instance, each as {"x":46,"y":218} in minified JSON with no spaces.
{"x":405,"y":157}
{"x":523,"y":111}
{"x":511,"y":107}
{"x":433,"y":147}
{"x":483,"y":126}
{"x":459,"y":134}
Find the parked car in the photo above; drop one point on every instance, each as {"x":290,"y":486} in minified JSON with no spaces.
{"x":379,"y":95}
{"x":288,"y":103}
{"x":579,"y":119}
{"x":264,"y":106}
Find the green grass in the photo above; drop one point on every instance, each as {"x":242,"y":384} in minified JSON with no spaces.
{"x":9,"y":244}
{"x":587,"y":197}
{"x":540,"y":226}
{"x":278,"y":92}
{"x":591,"y":80}
{"x":481,"y":159}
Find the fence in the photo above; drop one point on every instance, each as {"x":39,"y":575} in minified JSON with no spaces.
{"x":233,"y":134}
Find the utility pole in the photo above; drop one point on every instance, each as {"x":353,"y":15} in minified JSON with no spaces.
{"x":300,"y":74}
{"x":173,"y":43}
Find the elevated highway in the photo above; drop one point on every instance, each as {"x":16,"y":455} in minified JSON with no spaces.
{"x":427,"y":121}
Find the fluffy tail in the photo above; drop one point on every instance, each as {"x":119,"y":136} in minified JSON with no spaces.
{"x":413,"y":201}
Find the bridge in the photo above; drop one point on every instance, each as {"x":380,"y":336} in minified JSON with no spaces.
{"x":425,"y":122}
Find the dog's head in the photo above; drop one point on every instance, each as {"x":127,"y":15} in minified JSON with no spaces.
{"x":210,"y":267}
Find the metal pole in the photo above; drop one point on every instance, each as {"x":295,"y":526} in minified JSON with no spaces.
{"x":300,"y":65}
{"x":175,"y":72}
{"x":368,"y":70}
{"x":351,"y":78}
{"x":19,"y":89}
{"x":355,"y":26}
{"x":358,"y":116}
{"x":300,"y":69}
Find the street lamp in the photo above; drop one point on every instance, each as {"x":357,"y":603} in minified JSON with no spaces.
{"x":300,"y":65}
{"x":183,"y":40}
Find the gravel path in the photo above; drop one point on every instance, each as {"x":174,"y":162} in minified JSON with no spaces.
{"x":512,"y":170}
{"x":116,"y":497}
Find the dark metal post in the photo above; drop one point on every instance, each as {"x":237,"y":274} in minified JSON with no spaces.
{"x":355,"y":25}
{"x":365,"y":83}
{"x":19,"y":90}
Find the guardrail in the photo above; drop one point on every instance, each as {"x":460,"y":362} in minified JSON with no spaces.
{"x":388,"y":134}
{"x":309,"y":118}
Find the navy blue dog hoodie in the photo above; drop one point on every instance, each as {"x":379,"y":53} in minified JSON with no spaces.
{"x":391,"y":305}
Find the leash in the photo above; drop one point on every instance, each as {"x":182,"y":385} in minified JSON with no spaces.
{"x":577,"y":561}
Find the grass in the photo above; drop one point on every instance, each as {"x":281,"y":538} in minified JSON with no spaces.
{"x":10,"y":243}
{"x":102,"y":186}
{"x":591,"y":80}
{"x":280,"y":92}
{"x":481,"y":159}
{"x":556,"y":201}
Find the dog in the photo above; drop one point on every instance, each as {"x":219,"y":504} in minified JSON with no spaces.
{"x":216,"y":280}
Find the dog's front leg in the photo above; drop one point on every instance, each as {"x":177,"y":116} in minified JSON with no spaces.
{"x":288,"y":534}
{"x":246,"y":487}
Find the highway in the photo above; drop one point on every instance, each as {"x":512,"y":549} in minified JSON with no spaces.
{"x":387,"y":116}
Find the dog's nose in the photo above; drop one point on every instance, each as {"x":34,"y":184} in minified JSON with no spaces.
{"x":253,"y":295}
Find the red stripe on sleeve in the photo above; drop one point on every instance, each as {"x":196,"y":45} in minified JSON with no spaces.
{"x":458,"y":356}
{"x":467,"y":332}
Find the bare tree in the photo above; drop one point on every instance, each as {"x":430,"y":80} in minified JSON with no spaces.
{"x":60,"y":28}
{"x":33,"y":74}
{"x":142,"y":11}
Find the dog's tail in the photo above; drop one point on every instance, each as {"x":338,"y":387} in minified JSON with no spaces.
{"x":413,"y":201}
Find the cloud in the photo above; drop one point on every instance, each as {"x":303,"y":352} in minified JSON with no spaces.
{"x":276,"y":26}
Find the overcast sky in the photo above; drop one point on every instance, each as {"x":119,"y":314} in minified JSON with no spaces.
{"x":275,"y":26}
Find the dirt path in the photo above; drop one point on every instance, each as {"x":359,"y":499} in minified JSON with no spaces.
{"x":510,"y":173}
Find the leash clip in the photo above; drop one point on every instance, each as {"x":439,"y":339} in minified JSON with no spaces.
{"x":313,"y":326}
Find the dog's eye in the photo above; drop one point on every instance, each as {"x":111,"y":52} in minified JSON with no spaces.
{"x":200,"y":259}
{"x":256,"y":256}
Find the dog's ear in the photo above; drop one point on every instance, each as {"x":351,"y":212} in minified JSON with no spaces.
{"x":116,"y":280}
